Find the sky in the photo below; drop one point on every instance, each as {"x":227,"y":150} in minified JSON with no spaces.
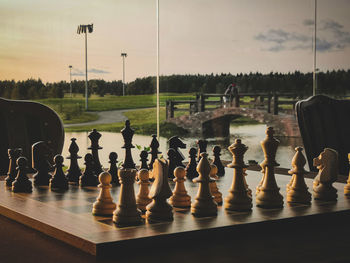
{"x":39,"y":37}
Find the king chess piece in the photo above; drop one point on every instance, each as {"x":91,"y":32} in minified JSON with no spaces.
{"x":327,"y":165}
{"x":191,"y":168}
{"x":160,"y":209}
{"x":104,"y":205}
{"x":213,"y":186}
{"x":40,"y":162}
{"x":217,"y":161}
{"x":204,"y":204}
{"x":58,"y":180}
{"x":74,"y":171}
{"x":128,"y":133}
{"x":127,"y":213}
{"x":113,"y":168}
{"x":180,"y":198}
{"x":154,"y":151}
{"x":297,"y":190}
{"x":238,"y":198}
{"x":22,"y":184}
{"x":13,"y":154}
{"x":268,"y":195}
{"x":202,"y":148}
{"x":94,"y":137}
{"x":142,"y":199}
{"x":347,"y":186}
{"x":88,"y":178}
{"x":144,"y":160}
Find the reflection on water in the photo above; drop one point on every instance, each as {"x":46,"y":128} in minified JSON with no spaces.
{"x":251,"y":135}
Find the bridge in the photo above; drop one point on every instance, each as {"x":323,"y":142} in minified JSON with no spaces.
{"x":209,"y":116}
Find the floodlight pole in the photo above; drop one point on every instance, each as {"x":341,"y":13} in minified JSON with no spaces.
{"x":86,"y":75}
{"x":158,"y":107}
{"x":124,"y":55}
{"x":314,"y":86}
{"x":70,"y":80}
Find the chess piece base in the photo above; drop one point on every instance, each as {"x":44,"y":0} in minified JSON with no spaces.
{"x":58,"y":185}
{"x":238,"y":201}
{"x":301,"y":196}
{"x":103,"y":208}
{"x":347,"y":190}
{"x":127,"y":216}
{"x":269,"y":198}
{"x":88,"y":181}
{"x":159,"y":211}
{"x":181,"y":201}
{"x":22,"y":187}
{"x":142,"y":203}
{"x":204,"y":208}
{"x":325,"y":192}
{"x":41,"y":179}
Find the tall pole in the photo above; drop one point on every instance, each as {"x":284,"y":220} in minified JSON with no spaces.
{"x":86,"y":75}
{"x":70,"y":80}
{"x":158,"y":109}
{"x":314,"y":86}
{"x":124,"y":55}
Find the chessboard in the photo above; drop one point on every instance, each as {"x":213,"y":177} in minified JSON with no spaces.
{"x":67,"y":216}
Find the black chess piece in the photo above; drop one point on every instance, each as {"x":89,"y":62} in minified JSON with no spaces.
{"x":128,"y":133}
{"x":74,"y":171}
{"x":22,"y":184}
{"x":154,"y":151}
{"x":94,"y":137}
{"x":13,"y":154}
{"x":217,"y":161}
{"x":202,"y":148}
{"x":58,"y":180}
{"x":88,"y":177}
{"x":191,"y":168}
{"x":40,"y":162}
{"x":113,"y":169}
{"x":175,"y":143}
{"x":174,"y":161}
{"x":144,"y":160}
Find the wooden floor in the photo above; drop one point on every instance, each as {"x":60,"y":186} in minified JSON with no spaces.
{"x":67,"y":217}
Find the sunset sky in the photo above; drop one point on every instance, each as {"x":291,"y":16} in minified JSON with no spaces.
{"x":39,"y":39}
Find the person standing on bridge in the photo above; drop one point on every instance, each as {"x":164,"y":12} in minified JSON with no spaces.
{"x":230,"y":93}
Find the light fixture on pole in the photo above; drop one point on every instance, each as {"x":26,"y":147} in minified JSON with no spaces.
{"x":123,"y":55}
{"x":70,"y":79}
{"x":85,"y":29}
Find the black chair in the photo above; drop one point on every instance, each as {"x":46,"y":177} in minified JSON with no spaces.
{"x":23,"y":123}
{"x":325,"y":122}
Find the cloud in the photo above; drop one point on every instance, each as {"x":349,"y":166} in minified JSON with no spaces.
{"x":78,"y":72}
{"x":98,"y":71}
{"x":331,"y":37}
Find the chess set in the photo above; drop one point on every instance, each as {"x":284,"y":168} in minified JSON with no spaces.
{"x":100,"y":210}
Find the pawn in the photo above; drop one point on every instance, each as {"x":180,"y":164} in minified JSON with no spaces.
{"x":213,"y":187}
{"x":113,"y":169}
{"x":74,"y":171}
{"x":58,"y":180}
{"x":180,"y":198}
{"x":217,"y":162}
{"x":347,"y":186}
{"x":144,"y":160}
{"x":154,"y":151}
{"x":297,"y":190}
{"x":13,"y":154}
{"x":104,"y":205}
{"x":238,"y":198}
{"x":142,"y":199}
{"x":22,"y":184}
{"x":202,"y":148}
{"x":88,"y":177}
{"x":204,"y":204}
{"x":191,"y":168}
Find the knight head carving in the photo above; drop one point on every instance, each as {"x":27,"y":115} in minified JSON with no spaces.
{"x":40,"y":154}
{"x":327,"y":164}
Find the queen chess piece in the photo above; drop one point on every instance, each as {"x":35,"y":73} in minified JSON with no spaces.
{"x":74,"y":171}
{"x":94,"y":137}
{"x":128,"y":133}
{"x":154,"y":151}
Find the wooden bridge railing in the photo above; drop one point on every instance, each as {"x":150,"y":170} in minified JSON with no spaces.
{"x":271,"y":101}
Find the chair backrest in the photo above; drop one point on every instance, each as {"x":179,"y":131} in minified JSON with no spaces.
{"x":23,"y":123}
{"x":325,"y":122}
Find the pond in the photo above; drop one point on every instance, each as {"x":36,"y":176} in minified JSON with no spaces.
{"x":251,"y":136}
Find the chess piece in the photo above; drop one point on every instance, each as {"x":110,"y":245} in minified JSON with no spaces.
{"x":142,"y":199}
{"x":204,"y":204}
{"x":327,"y":165}
{"x":268,"y":195}
{"x":238,"y":198}
{"x":94,"y":137}
{"x":176,"y":144}
{"x":58,"y":180}
{"x":191,"y":168}
{"x":159,"y":209}
{"x":347,"y":186}
{"x":88,"y":178}
{"x":213,"y":187}
{"x":40,"y":162}
{"x":127,"y":213}
{"x":128,"y":133}
{"x":249,"y":191}
{"x":113,"y":169}
{"x":74,"y":171}
{"x":173,"y":161}
{"x":144,"y":160}
{"x":154,"y":151}
{"x":22,"y":184}
{"x":202,"y":148}
{"x":297,"y":190}
{"x":217,"y":161}
{"x":180,"y":198}
{"x":104,"y":205}
{"x":13,"y":154}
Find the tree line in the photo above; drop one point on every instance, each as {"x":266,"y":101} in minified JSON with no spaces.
{"x":335,"y":83}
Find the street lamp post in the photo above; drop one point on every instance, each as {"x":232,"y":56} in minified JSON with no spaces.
{"x":70,"y":80}
{"x":85,"y":29}
{"x":124,"y":55}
